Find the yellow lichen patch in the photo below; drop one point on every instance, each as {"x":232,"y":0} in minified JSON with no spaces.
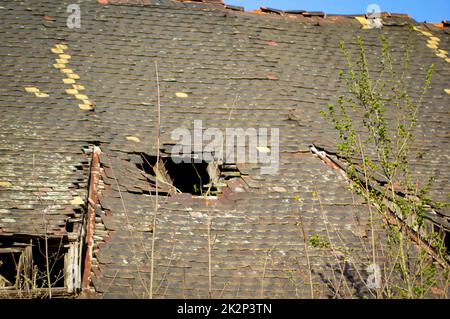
{"x":67,"y":71}
{"x":41,"y":94}
{"x":77,"y":201}
{"x":31,"y":89}
{"x":61,"y":46}
{"x":62,"y":61}
{"x":263,"y":149}
{"x":68,"y":81}
{"x":447,"y":60}
{"x":56,"y":51}
{"x":86,"y":107}
{"x":425,"y":33}
{"x":181,"y":94}
{"x":78,"y":87}
{"x":133,"y":139}
{"x":73,"y":76}
{"x":81,"y":97}
{"x":5,"y":184}
{"x":421,"y":30}
{"x":59,"y":65}
{"x":363,"y":22}
{"x":36,"y":91}
{"x":433,"y":42}
{"x":447,"y":91}
{"x":71,"y":91}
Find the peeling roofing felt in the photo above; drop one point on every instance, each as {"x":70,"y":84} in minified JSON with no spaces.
{"x":63,"y":90}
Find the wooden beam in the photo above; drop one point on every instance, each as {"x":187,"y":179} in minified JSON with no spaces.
{"x":90,"y":225}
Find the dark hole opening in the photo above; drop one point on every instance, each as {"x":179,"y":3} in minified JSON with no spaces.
{"x":447,"y":241}
{"x":187,"y":176}
{"x":56,"y":253}
{"x":69,"y":226}
{"x":8,"y":268}
{"x":11,"y":265}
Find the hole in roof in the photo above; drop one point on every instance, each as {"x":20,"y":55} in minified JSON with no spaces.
{"x":56,"y":253}
{"x":447,"y":242}
{"x":8,"y":268}
{"x":69,"y":226}
{"x":186,"y":175}
{"x":444,"y":235}
{"x":21,"y":265}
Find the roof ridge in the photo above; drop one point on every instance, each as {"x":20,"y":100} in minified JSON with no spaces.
{"x":267,"y":10}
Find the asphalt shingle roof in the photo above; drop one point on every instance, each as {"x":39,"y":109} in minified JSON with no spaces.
{"x":274,"y":64}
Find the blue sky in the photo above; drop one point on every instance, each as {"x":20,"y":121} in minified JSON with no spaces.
{"x":421,"y":10}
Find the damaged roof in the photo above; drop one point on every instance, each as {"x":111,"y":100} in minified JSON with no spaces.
{"x":66,"y":92}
